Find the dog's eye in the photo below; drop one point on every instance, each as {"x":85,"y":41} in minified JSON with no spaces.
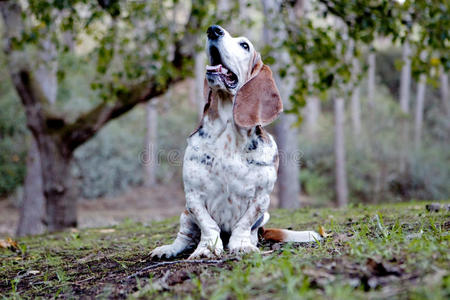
{"x":245,"y":45}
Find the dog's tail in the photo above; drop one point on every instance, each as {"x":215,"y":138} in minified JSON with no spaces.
{"x":284,"y":235}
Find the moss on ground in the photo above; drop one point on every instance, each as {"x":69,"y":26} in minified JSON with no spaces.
{"x":387,"y":251}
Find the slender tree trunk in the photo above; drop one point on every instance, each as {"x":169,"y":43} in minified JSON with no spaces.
{"x":371,"y":78}
{"x":444,"y":91}
{"x":356,"y":106}
{"x":312,"y":108}
{"x":356,"y":112}
{"x":151,"y":143}
{"x":312,"y":113}
{"x":200,"y":59}
{"x":287,"y":134}
{"x":339,"y":152}
{"x":288,"y":172}
{"x":421,"y":86}
{"x":405,"y":85}
{"x":32,"y":210}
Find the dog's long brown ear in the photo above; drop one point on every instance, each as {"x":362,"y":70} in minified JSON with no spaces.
{"x":258,"y":102}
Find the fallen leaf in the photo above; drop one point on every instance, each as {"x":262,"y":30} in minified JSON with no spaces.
{"x":9,"y":243}
{"x":322,"y":232}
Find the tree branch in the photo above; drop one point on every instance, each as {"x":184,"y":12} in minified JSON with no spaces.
{"x":89,"y":124}
{"x":39,"y":117}
{"x":31,"y":92}
{"x":330,"y":5}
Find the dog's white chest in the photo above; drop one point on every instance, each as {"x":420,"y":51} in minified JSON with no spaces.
{"x":228,"y":171}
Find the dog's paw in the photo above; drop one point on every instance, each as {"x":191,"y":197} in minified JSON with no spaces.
{"x":242,"y":247}
{"x":166,"y":251}
{"x":207,"y":251}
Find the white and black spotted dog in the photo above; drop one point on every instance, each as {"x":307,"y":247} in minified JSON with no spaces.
{"x":231,"y":162}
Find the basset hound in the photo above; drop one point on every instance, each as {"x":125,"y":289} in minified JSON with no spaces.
{"x":230,"y":164}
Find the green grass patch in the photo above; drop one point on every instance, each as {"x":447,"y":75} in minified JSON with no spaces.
{"x":396,"y":251}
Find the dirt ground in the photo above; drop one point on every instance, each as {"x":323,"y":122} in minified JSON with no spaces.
{"x":389,"y":251}
{"x":139,"y":205}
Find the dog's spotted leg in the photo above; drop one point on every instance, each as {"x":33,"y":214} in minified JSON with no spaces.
{"x":243,"y":239}
{"x":210,"y":244}
{"x":186,"y":238}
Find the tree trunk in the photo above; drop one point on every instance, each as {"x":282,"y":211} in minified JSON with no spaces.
{"x":444,"y":91}
{"x":356,"y":106}
{"x":151,"y":143}
{"x":339,"y":152}
{"x":56,"y":137}
{"x":356,"y":113}
{"x":405,"y":85}
{"x":32,"y":210}
{"x":288,"y":172}
{"x":312,"y":113}
{"x":287,"y":135}
{"x":421,"y":86}
{"x":200,"y":58}
{"x":61,"y":206}
{"x":371,"y":78}
{"x":312,"y":108}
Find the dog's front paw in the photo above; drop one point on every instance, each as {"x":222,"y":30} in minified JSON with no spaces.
{"x":242,"y":247}
{"x":207,"y":250}
{"x":167,"y":251}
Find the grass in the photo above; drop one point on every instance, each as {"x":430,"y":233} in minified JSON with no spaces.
{"x":395,"y":251}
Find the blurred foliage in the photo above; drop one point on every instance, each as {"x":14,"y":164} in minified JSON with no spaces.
{"x":112,"y":162}
{"x":109,"y":163}
{"x":13,"y":135}
{"x":335,"y":31}
{"x":373,"y":157}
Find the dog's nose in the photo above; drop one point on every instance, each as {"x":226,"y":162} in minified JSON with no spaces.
{"x":214,"y":32}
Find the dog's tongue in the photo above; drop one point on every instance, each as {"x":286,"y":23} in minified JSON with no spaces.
{"x":217,"y":68}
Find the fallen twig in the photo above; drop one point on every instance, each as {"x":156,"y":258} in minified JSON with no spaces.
{"x":174,"y":262}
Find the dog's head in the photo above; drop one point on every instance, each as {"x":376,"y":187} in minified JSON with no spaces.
{"x":237,"y":69}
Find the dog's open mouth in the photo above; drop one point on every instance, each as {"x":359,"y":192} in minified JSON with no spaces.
{"x":218,"y":68}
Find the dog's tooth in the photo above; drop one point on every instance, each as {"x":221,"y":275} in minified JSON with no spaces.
{"x":216,"y":68}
